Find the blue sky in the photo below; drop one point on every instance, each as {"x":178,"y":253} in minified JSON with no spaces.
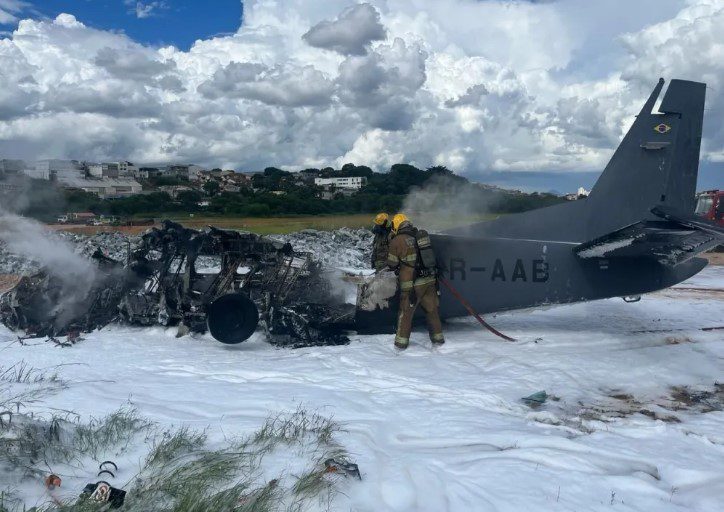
{"x":157,"y":23}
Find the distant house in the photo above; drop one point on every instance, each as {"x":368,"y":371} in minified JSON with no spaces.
{"x":141,"y":174}
{"x":149,"y":172}
{"x":110,"y":170}
{"x":189,"y":172}
{"x":230,"y":187}
{"x":126,"y":169}
{"x":579,"y":194}
{"x":174,"y":190}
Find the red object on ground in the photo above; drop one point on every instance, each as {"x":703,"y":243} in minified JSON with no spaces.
{"x":52,"y":481}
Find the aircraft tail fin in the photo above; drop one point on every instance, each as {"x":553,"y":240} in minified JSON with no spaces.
{"x":656,"y":164}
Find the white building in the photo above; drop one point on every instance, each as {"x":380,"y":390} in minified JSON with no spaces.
{"x":127,"y":169}
{"x":59,"y":166}
{"x":104,"y":187}
{"x":110,"y":170}
{"x":141,"y":174}
{"x":37,"y":174}
{"x":55,"y":169}
{"x":349,"y":183}
{"x":189,"y":172}
{"x":194,"y":171}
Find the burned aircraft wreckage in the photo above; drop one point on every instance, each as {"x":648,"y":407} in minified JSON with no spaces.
{"x":259,"y":281}
{"x":636,"y":233}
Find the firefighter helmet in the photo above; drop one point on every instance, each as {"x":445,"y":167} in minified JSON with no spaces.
{"x":381,"y":219}
{"x":398,"y":220}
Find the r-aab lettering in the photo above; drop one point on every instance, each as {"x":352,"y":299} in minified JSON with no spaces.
{"x":536,"y":271}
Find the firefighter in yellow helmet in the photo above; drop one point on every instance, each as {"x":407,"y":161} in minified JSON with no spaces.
{"x":417,"y":280}
{"x":380,"y":246}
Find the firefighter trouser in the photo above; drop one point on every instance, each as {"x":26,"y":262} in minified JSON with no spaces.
{"x":424,"y":295}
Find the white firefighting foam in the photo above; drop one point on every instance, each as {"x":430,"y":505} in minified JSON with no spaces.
{"x":445,"y":429}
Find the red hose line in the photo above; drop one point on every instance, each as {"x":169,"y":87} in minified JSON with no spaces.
{"x":472,"y":312}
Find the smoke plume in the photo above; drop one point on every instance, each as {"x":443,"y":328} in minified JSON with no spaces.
{"x":75,"y":274}
{"x":447,"y":201}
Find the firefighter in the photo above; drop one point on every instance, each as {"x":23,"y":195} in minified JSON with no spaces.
{"x":380,"y":246}
{"x":417,"y":282}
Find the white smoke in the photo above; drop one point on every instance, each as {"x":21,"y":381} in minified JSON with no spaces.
{"x":444,"y":202}
{"x":75,"y":274}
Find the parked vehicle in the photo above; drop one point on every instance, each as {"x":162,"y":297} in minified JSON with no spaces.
{"x":710,"y":205}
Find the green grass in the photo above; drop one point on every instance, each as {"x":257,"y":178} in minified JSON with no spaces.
{"x":181,"y":471}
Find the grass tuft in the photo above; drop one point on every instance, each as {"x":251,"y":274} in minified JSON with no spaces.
{"x":181,"y":471}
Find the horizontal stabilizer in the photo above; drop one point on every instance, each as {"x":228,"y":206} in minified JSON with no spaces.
{"x":671,"y":241}
{"x":688,"y":219}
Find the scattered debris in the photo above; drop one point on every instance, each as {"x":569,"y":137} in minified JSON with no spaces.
{"x":702,"y":400}
{"x":342,"y":468}
{"x":536,"y":399}
{"x":52,"y":481}
{"x":103,"y":492}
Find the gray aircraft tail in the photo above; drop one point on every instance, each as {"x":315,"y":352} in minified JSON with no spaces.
{"x":656,"y":164}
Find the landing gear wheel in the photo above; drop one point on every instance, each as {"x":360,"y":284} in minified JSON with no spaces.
{"x":232,"y":318}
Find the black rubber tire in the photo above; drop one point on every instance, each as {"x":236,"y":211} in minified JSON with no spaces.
{"x":232,"y":318}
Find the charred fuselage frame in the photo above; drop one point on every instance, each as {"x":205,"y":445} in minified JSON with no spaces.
{"x":258,"y":280}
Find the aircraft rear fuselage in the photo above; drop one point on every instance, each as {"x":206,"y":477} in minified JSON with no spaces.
{"x":498,"y":274}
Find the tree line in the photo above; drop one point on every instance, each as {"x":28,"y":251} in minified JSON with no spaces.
{"x":383,"y":192}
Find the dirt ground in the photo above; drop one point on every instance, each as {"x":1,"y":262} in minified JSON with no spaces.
{"x":92,"y":230}
{"x":715,"y":258}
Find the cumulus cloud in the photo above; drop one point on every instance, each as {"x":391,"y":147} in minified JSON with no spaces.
{"x":350,"y":33}
{"x":383,"y":85}
{"x":445,"y":82}
{"x":290,"y":87}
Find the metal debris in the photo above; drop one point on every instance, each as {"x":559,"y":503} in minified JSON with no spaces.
{"x":342,"y":468}
{"x":536,"y":399}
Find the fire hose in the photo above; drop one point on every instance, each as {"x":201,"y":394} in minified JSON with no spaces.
{"x":470,"y":310}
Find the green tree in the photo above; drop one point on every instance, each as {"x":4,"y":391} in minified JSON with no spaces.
{"x":211,"y":188}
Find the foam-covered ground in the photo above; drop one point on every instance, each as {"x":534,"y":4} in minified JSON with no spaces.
{"x":634,"y":421}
